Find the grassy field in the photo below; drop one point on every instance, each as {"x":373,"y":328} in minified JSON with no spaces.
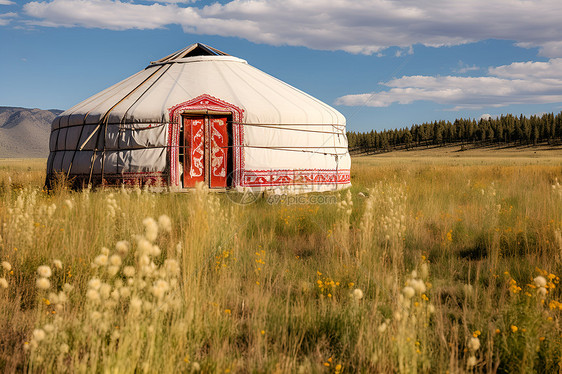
{"x":429,"y":263}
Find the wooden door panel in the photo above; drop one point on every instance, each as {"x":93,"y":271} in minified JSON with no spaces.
{"x":218,"y":152}
{"x":194,"y":159}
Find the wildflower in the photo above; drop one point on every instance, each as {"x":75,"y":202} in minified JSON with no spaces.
{"x":471,"y":361}
{"x":122,"y":247}
{"x":474,"y":344}
{"x":93,"y":295}
{"x":431,"y":309}
{"x":160,"y":288}
{"x":57,"y":264}
{"x":418,"y":285}
{"x":49,"y":328}
{"x":144,"y":246}
{"x":6,"y":265}
{"x":105,"y":290}
{"x":64,"y":348}
{"x":408,"y":292}
{"x":540,"y":281}
{"x":150,"y":229}
{"x":155,"y":251}
{"x":101,"y":260}
{"x":195,"y":366}
{"x":542,"y":292}
{"x":357,"y":294}
{"x":497,"y":331}
{"x":43,"y":283}
{"x":3,"y":283}
{"x":514,"y":328}
{"x":112,"y":270}
{"x":125,"y":292}
{"x":94,"y":283}
{"x":68,"y":204}
{"x":382,"y":327}
{"x":39,"y":335}
{"x":115,"y":260}
{"x":172,"y":267}
{"x":129,"y":271}
{"x":105,"y":251}
{"x":165,"y":223}
{"x":44,"y":271}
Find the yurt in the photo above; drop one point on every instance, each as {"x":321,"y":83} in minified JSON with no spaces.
{"x":201,"y":115}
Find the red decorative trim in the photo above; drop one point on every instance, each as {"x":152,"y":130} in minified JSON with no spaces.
{"x":266,"y":178}
{"x":205,"y":102}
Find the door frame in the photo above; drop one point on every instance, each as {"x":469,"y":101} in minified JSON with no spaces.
{"x":207,"y":115}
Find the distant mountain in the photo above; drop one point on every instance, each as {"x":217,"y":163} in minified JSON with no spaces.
{"x":25,"y":132}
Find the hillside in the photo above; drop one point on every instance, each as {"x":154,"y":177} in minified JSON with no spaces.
{"x":25,"y":132}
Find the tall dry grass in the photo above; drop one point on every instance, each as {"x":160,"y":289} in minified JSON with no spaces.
{"x":420,"y":267}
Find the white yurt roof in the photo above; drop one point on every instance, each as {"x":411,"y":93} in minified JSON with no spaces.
{"x":196,"y":70}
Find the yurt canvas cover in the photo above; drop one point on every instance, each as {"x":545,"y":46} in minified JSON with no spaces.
{"x":200,"y":115}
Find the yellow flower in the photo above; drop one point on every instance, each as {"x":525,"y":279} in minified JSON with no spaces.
{"x":497,"y":331}
{"x":476,"y":333}
{"x":514,"y":328}
{"x":227,"y":311}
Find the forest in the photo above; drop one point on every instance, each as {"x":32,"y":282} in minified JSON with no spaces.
{"x":507,"y":130}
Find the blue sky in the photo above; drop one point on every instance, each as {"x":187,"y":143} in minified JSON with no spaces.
{"x":382,"y":63}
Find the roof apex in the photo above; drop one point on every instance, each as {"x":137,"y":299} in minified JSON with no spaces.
{"x":196,"y":49}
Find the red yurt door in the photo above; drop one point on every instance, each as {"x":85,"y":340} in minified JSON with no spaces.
{"x":206,"y":151}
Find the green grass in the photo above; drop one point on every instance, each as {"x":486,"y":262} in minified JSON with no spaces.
{"x":270,"y":287}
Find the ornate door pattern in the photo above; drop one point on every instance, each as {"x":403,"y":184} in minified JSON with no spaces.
{"x":206,"y":153}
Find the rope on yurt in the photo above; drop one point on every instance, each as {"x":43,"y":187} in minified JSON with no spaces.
{"x":288,"y":128}
{"x":103,"y":121}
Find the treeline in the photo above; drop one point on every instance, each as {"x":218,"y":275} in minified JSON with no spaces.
{"x":505,"y":130}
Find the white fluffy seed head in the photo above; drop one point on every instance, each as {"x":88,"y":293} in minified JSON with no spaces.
{"x":105,"y":251}
{"x":44,"y":271}
{"x":541,"y":291}
{"x":6,"y":265}
{"x":49,"y":328}
{"x":471,"y":361}
{"x":357,"y":294}
{"x":105,"y":290}
{"x":408,"y":292}
{"x":418,"y":285}
{"x":165,"y":223}
{"x":115,"y":260}
{"x":93,"y":295}
{"x":64,"y":348}
{"x":424,"y":270}
{"x":122,"y":247}
{"x":474,"y":344}
{"x":129,"y":271}
{"x":3,"y":283}
{"x":39,"y":334}
{"x":144,"y":246}
{"x":101,"y":260}
{"x":540,"y":281}
{"x":57,"y":264}
{"x":43,"y":283}
{"x":172,"y":267}
{"x":94,"y":284}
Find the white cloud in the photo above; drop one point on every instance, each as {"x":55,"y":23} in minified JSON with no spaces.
{"x":517,"y":83}
{"x":463,"y":68}
{"x":107,"y":14}
{"x":6,"y":18}
{"x":6,"y":2}
{"x":356,"y":26}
